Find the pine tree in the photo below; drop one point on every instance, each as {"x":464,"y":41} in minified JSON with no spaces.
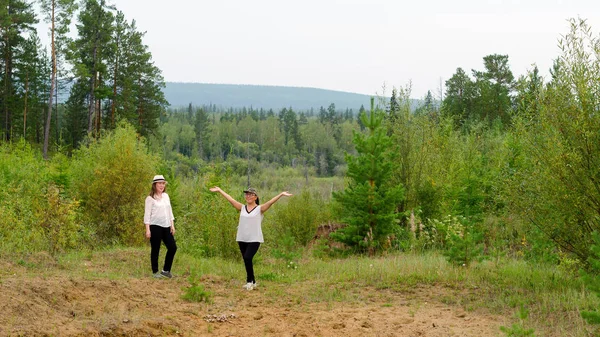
{"x":143,"y":83}
{"x":115,"y":64}
{"x":201,"y":126}
{"x":110,"y":60}
{"x":58,"y":14}
{"x":89,"y":54}
{"x":464,"y":242}
{"x":369,"y":201}
{"x":16,"y":18}
{"x":459,"y":99}
{"x":302,"y":119}
{"x":322,"y":115}
{"x":30,"y":70}
{"x":428,"y":103}
{"x":394,"y":106}
{"x":494,"y":86}
{"x":361,"y":112}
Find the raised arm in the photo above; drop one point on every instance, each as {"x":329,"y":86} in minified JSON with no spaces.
{"x":232,"y":201}
{"x":264,"y":207}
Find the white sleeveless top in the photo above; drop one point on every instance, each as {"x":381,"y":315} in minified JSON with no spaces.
{"x":249,"y":228}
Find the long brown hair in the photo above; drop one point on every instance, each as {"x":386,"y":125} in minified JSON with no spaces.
{"x":153,"y":190}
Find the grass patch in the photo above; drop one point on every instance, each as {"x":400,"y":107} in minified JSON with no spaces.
{"x":196,"y":292}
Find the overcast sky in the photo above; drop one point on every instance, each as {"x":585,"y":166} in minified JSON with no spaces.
{"x":353,"y":45}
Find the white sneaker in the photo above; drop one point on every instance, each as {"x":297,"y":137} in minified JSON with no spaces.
{"x":249,"y":286}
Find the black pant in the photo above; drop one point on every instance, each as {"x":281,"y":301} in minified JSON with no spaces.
{"x":158,"y":234}
{"x":248,"y":250}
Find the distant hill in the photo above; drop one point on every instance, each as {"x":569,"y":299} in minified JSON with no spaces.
{"x":261,"y":96}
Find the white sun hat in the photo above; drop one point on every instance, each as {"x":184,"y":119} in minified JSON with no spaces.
{"x":158,"y":178}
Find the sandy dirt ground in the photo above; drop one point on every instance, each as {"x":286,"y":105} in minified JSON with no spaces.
{"x":68,"y":306}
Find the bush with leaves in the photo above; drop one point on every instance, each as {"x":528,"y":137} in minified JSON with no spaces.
{"x":287,"y":250}
{"x":58,"y":218}
{"x":36,"y":213}
{"x":207,"y":223}
{"x":196,"y":292}
{"x":298,"y":218}
{"x":555,"y":185}
{"x":111,"y":177}
{"x":24,"y":179}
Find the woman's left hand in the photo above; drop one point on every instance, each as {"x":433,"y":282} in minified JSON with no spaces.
{"x":286,"y":194}
{"x":172,"y":230}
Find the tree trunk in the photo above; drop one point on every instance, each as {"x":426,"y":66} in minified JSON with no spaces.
{"x":56,"y":105}
{"x":25,"y":106}
{"x":52,"y":82}
{"x":92,"y":103}
{"x":7,"y":73}
{"x":98,"y":112}
{"x":114,"y":99}
{"x":140,"y":108}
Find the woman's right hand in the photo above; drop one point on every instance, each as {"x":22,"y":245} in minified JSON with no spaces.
{"x":147,"y":234}
{"x":215,"y":189}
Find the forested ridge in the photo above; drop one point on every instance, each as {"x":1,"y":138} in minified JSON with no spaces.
{"x":499,"y":165}
{"x":225,"y":96}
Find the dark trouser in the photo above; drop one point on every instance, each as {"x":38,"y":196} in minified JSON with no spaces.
{"x":248,"y":250}
{"x":158,"y":234}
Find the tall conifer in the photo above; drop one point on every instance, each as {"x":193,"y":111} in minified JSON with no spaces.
{"x":369,"y":201}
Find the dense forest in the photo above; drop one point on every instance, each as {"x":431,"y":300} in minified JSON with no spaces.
{"x":499,"y":165}
{"x":108,"y":71}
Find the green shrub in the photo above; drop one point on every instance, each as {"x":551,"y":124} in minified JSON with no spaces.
{"x":517,"y":329}
{"x":196,"y":292}
{"x":559,"y":140}
{"x":288,"y":252}
{"x":299,"y":218}
{"x":592,"y":279}
{"x":58,"y":220}
{"x":463,"y":241}
{"x":207,"y":223}
{"x":23,"y":176}
{"x":111,"y":177}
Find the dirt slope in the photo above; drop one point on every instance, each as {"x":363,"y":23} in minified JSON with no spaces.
{"x":67,"y":306}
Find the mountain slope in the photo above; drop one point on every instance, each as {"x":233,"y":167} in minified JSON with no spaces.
{"x":259,"y":96}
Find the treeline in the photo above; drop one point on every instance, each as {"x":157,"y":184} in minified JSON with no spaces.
{"x":106,"y":67}
{"x":316,"y":141}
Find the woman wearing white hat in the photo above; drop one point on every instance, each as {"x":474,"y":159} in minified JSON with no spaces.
{"x":158,"y":218}
{"x":249,"y":234}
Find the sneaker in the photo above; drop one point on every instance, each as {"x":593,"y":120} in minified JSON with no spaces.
{"x":158,"y":275}
{"x":249,"y":286}
{"x":166,"y":274}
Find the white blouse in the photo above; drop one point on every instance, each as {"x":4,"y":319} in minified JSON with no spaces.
{"x":249,"y":228}
{"x":158,"y":212}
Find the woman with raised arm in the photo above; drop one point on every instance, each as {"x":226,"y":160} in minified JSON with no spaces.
{"x":249,"y":233}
